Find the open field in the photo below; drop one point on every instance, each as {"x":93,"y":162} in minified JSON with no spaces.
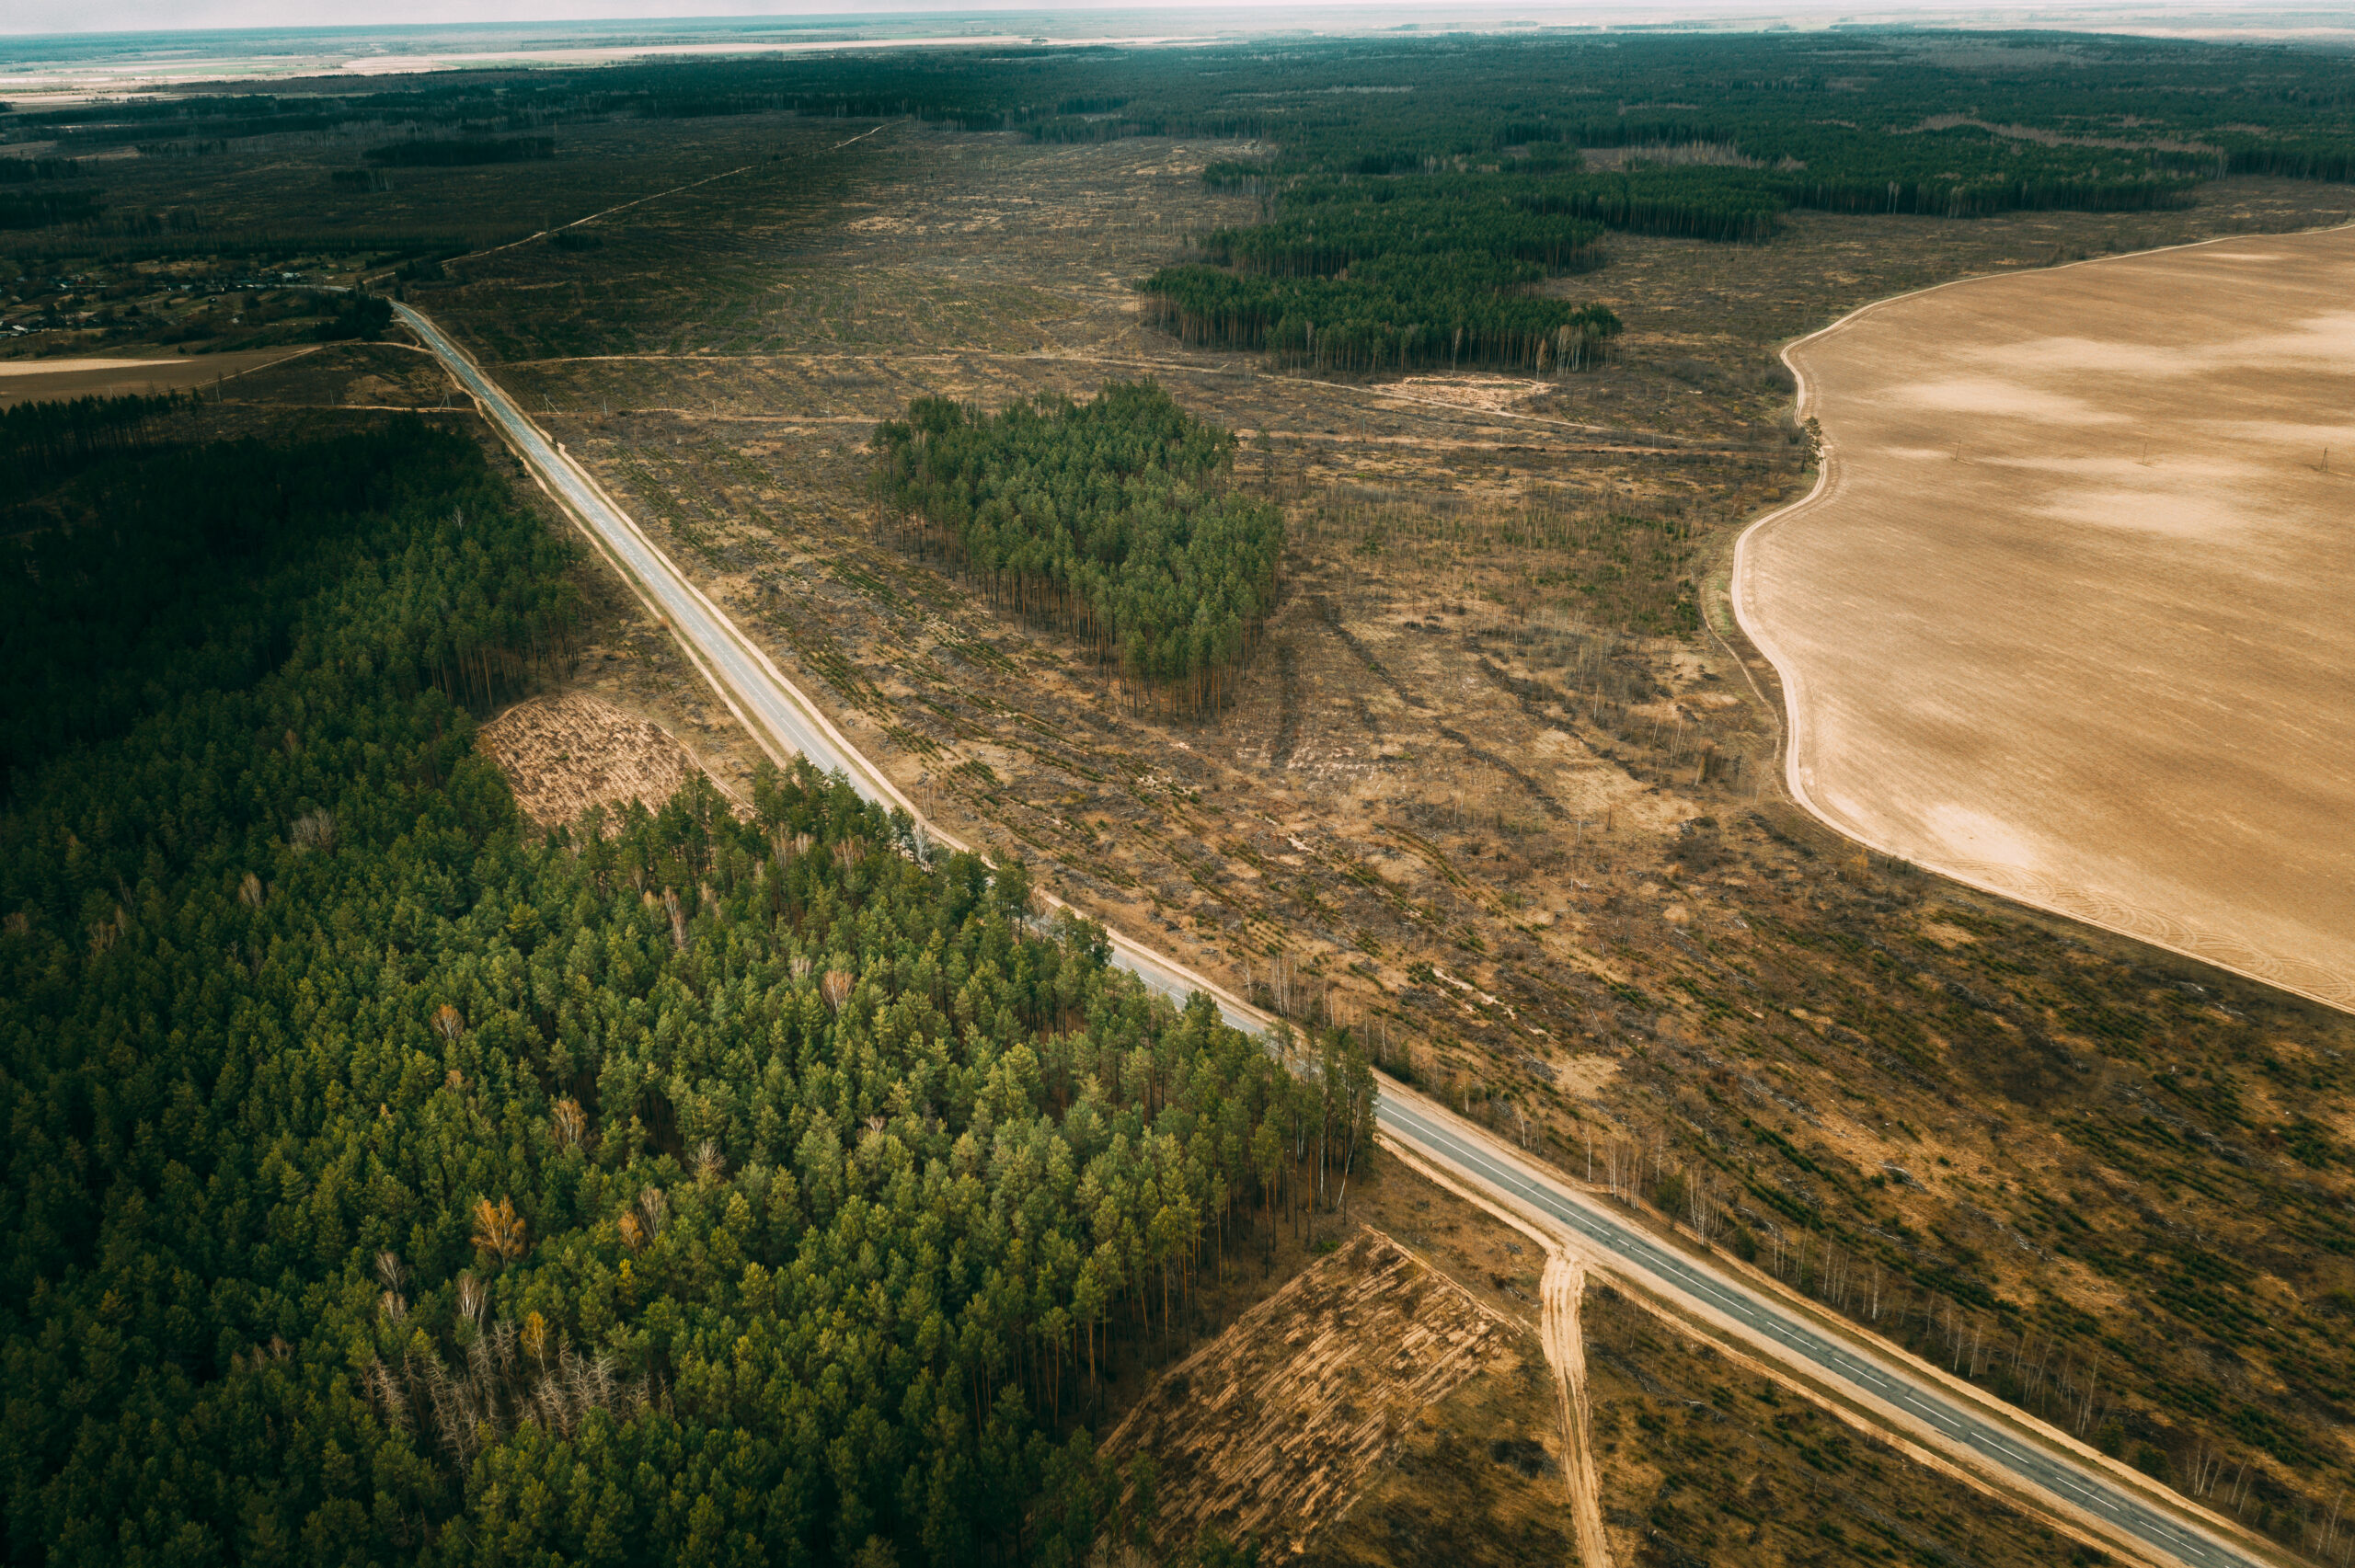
{"x":2066,"y":618}
{"x":43,"y":380}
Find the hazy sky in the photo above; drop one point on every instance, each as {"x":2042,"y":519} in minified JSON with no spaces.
{"x":2246,"y":17}
{"x":17,"y":17}
{"x":108,"y":15}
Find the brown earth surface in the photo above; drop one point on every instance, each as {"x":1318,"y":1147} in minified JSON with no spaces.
{"x":1704,"y":1462}
{"x":2066,"y":617}
{"x":43,"y":380}
{"x":563,"y":754}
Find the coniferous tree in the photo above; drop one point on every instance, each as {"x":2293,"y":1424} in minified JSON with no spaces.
{"x":389,"y":1181}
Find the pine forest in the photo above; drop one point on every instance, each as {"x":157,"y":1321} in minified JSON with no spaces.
{"x":1114,"y":520}
{"x":388,"y":1181}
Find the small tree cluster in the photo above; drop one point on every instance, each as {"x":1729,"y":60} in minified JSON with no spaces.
{"x":1112,"y":519}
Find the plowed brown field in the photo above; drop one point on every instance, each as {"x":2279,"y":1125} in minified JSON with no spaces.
{"x":42,"y":381}
{"x":2067,"y":616}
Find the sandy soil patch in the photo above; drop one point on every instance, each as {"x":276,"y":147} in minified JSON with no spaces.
{"x":1565,"y":1352}
{"x":1272,"y":1427}
{"x":1491,"y":393}
{"x":564,"y":754}
{"x":67,"y":367}
{"x":2066,"y":618}
{"x":37,"y":381}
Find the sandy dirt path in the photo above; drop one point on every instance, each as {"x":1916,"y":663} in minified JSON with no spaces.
{"x":1563,"y":1287}
{"x":2065,"y":617}
{"x":1559,"y":1292}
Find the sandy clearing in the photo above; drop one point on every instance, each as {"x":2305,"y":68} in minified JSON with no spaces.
{"x":563,"y":754}
{"x":60,"y":367}
{"x":2064,"y":616}
{"x":37,"y":381}
{"x":1563,"y":1284}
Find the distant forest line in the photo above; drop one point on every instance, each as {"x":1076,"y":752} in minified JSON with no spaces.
{"x":1415,"y":193}
{"x":1853,"y":120}
{"x":1855,"y":109}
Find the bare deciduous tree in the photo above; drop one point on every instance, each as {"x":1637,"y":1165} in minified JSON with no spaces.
{"x":568,"y":1123}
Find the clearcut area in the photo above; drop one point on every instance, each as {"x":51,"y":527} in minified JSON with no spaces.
{"x":2066,"y":617}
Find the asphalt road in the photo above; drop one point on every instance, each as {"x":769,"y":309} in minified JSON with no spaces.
{"x":1769,"y":1326}
{"x":774,"y":702}
{"x":744,"y":673}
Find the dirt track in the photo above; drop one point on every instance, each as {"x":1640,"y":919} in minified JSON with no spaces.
{"x":2066,"y":618}
{"x":1565,"y":1283}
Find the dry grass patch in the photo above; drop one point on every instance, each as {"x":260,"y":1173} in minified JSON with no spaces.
{"x":1475,"y":1482}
